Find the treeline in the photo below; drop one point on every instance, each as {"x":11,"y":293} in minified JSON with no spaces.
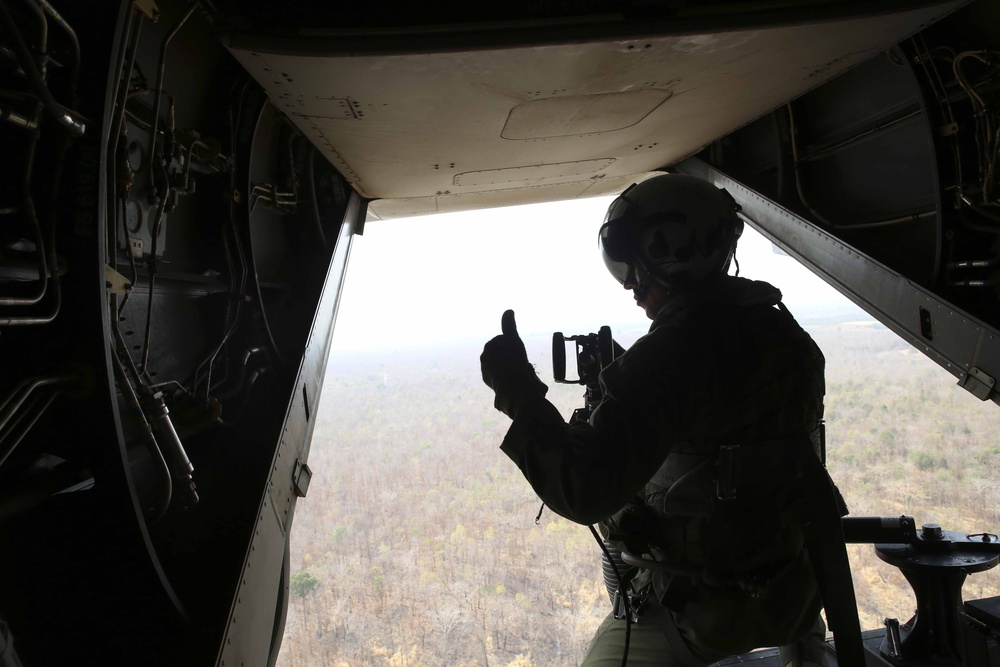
{"x":418,"y":544}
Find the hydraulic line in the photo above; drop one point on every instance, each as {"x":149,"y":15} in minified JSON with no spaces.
{"x":983,"y":118}
{"x":155,"y":231}
{"x":210,"y":360}
{"x":59,"y":113}
{"x":9,"y":439}
{"x":159,"y":88}
{"x":40,"y":250}
{"x":186,"y":178}
{"x":125,"y":63}
{"x":70,"y":33}
{"x":16,"y":399}
{"x":236,"y":291}
{"x":826,"y":150}
{"x":798,"y":172}
{"x":903,"y":219}
{"x":27,"y":206}
{"x":981,"y":209}
{"x":158,"y":510}
{"x":155,"y":409}
{"x":49,"y":275}
{"x":797,"y":160}
{"x":244,"y":362}
{"x":23,"y":404}
{"x":43,"y":35}
{"x":135,"y":270}
{"x":44,"y":318}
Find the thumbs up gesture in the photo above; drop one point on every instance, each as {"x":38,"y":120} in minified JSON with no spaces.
{"x":507,"y":371}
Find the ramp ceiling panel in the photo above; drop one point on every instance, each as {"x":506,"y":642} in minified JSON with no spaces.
{"x":427,"y":132}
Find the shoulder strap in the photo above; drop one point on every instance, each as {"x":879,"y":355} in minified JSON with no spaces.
{"x":824,"y":538}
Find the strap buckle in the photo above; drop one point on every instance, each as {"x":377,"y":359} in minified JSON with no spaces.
{"x":628,"y":604}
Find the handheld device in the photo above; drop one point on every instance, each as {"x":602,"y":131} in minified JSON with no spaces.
{"x":594,"y":351}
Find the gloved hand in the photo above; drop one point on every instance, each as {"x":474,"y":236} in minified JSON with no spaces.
{"x":507,"y":371}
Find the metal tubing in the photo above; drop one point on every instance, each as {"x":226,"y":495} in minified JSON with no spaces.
{"x":159,"y":86}
{"x":13,"y":402}
{"x":18,"y":119}
{"x":163,"y":429}
{"x":981,"y":209}
{"x":57,"y":111}
{"x":155,"y":231}
{"x":129,"y":43}
{"x":797,"y":159}
{"x":824,"y":151}
{"x":153,"y":447}
{"x":17,"y":416}
{"x":43,"y":33}
{"x":43,"y":267}
{"x":9,"y":448}
{"x":44,"y":318}
{"x":74,"y":42}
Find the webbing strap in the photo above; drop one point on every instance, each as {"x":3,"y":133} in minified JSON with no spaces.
{"x":824,"y":538}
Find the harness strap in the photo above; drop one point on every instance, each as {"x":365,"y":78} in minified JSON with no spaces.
{"x":824,"y":539}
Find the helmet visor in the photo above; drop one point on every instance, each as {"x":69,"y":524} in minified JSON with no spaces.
{"x":618,"y":240}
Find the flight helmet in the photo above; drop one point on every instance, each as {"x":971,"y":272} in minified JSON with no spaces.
{"x":682,"y":230}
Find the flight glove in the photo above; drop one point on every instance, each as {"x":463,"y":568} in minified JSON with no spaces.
{"x":507,"y":371}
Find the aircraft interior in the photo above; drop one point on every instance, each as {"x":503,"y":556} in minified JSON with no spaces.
{"x":184,"y":179}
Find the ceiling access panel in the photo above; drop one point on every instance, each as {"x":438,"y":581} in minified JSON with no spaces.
{"x":426,"y":119}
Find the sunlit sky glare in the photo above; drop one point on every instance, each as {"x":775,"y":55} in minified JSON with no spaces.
{"x":447,"y":278}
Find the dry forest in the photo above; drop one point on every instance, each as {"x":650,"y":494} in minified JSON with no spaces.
{"x":417,"y":544}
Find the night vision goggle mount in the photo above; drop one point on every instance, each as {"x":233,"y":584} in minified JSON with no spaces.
{"x":594,"y":351}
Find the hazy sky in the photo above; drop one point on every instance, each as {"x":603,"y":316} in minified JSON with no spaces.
{"x":449,"y":277}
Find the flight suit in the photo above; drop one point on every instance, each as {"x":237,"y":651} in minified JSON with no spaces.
{"x":693,"y":460}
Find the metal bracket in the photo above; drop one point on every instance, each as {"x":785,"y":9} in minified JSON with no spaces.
{"x":301,"y":476}
{"x":149,"y":9}
{"x":978,"y":383}
{"x":115,"y":282}
{"x":135,"y":247}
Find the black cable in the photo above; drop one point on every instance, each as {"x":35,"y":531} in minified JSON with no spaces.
{"x":237,"y":296}
{"x":623,"y":591}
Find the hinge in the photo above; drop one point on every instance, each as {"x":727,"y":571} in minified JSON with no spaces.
{"x":301,"y":477}
{"x":978,"y":383}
